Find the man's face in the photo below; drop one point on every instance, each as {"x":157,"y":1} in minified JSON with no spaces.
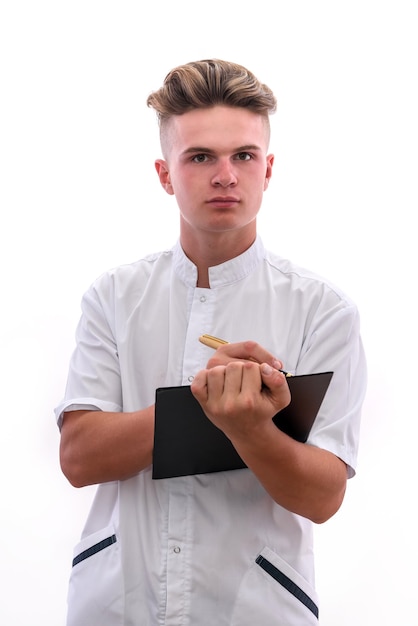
{"x":217,"y":167}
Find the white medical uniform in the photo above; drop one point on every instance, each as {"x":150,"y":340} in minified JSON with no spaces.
{"x":212,"y":549}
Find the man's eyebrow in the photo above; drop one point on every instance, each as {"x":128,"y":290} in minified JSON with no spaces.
{"x":246,"y":148}
{"x":194,"y":149}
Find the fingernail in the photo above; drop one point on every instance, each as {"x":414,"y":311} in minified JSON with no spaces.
{"x":266,"y":369}
{"x":277,"y":364}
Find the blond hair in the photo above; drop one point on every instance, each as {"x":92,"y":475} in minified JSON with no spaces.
{"x":204,"y":84}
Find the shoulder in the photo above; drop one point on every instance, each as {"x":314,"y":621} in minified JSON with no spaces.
{"x":304,"y":281}
{"x":124,"y":285}
{"x":136,"y":271}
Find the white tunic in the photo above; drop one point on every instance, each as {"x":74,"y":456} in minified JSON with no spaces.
{"x":212,"y":548}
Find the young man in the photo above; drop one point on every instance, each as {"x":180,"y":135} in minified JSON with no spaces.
{"x":227,"y":548}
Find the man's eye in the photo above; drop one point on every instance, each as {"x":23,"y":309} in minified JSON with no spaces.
{"x":199,"y":158}
{"x":243,"y":156}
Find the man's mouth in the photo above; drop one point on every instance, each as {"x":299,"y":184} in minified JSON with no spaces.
{"x":223,"y":201}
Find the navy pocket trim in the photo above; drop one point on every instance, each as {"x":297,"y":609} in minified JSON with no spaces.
{"x":288,"y":584}
{"x":105,"y":543}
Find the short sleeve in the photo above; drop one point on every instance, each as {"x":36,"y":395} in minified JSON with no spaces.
{"x":334,"y":344}
{"x":94,"y":379}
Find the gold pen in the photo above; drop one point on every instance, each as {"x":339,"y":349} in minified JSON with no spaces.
{"x":215,"y":342}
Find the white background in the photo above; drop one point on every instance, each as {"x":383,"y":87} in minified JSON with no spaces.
{"x":79,"y":195}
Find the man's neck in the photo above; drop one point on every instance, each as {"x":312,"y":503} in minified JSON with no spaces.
{"x":214,"y":250}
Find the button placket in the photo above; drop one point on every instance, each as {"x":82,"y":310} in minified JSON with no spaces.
{"x":178,"y":563}
{"x":200,"y":321}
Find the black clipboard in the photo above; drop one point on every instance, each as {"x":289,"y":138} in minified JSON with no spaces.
{"x":186,"y":442}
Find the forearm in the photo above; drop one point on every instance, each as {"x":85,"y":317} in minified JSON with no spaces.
{"x":306,"y":480}
{"x":99,"y":447}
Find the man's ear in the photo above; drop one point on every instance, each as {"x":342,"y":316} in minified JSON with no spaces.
{"x":269,"y":169}
{"x":164,"y":176}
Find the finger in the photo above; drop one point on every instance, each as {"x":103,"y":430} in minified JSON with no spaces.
{"x":257,"y":353}
{"x":249,"y":351}
{"x":199,"y":386}
{"x":215,"y":382}
{"x":233,"y":377}
{"x":251,"y":377}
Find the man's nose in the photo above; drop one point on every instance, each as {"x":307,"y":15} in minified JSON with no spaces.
{"x":225,"y":175}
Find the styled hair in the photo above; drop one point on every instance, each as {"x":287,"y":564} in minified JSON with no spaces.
{"x":204,"y":84}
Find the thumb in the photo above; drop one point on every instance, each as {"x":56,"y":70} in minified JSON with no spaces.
{"x":269,"y":372}
{"x":275,"y":382}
